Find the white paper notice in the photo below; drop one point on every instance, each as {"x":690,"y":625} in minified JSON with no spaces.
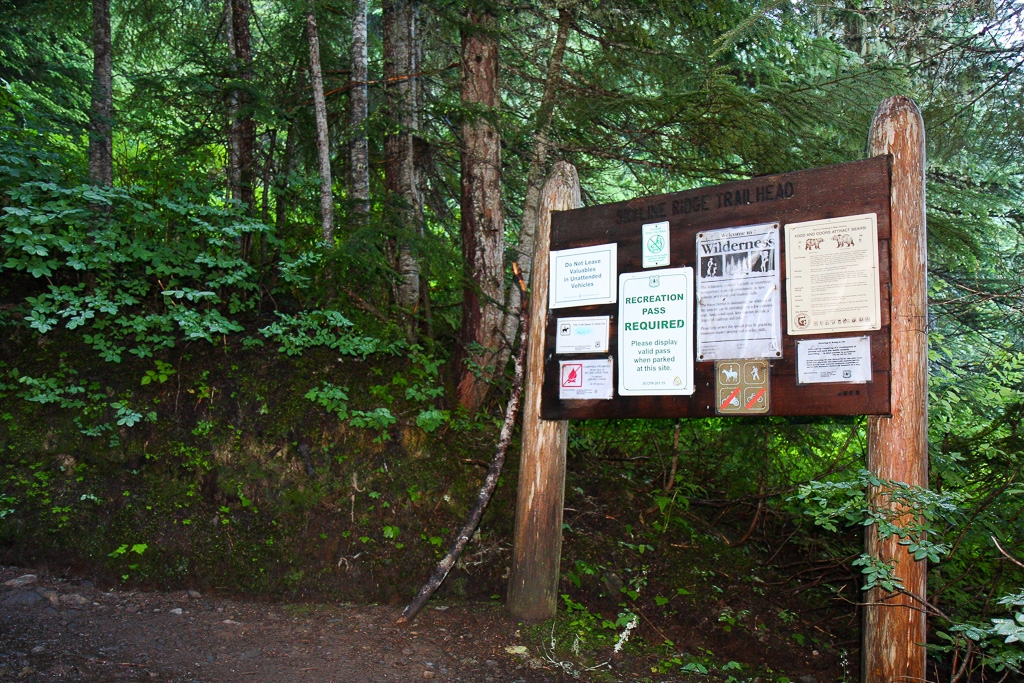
{"x":846,"y":359}
{"x":739,"y":293}
{"x":582,"y":335}
{"x":583,"y":276}
{"x":656,"y":332}
{"x":585,"y":379}
{"x":832,"y":275}
{"x":654,"y":238}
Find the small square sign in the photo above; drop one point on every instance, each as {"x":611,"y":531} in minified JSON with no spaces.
{"x":654,"y":238}
{"x":583,"y":335}
{"x":585,"y":379}
{"x":741,"y":387}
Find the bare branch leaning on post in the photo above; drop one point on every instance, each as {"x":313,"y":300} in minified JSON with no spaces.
{"x":493,"y":472}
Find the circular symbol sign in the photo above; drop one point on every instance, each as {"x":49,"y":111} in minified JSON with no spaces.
{"x":656,"y":244}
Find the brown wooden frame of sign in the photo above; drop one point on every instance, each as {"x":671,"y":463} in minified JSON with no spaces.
{"x":895,"y":627}
{"x":853,"y":188}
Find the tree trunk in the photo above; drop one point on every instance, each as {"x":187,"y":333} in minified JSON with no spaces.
{"x":359,"y":153}
{"x":282,"y":193}
{"x":244,"y":122}
{"x":400,"y":177}
{"x":270,"y":144}
{"x":538,"y":160}
{"x":101,"y":115}
{"x":241,"y":129}
{"x":323,"y":149}
{"x":268,"y":171}
{"x":423,"y":161}
{"x":483,"y":221}
{"x":231,"y":106}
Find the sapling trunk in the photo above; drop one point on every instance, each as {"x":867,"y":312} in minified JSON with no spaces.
{"x":493,"y":471}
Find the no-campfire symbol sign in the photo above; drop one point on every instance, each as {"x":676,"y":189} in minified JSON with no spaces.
{"x":586,"y":379}
{"x":572,"y":375}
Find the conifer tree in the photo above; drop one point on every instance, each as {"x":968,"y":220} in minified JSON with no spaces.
{"x":483,"y":222}
{"x":405,"y":204}
{"x":359,"y":161}
{"x":101,"y":136}
{"x":323,"y":147}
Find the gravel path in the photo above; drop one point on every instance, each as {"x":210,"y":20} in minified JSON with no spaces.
{"x":53,"y":629}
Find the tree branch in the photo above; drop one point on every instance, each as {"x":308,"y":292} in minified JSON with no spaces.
{"x":493,"y":472}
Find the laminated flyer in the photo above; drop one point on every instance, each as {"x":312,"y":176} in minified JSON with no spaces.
{"x":844,"y":359}
{"x":832,"y":275}
{"x":739,"y":293}
{"x":585,"y":379}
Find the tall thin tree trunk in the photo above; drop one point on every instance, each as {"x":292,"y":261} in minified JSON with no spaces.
{"x":231,"y":106}
{"x":400,"y":176}
{"x":285,"y":162}
{"x":359,"y":153}
{"x":483,"y":220}
{"x":241,"y":128}
{"x":538,"y":160}
{"x":268,"y":170}
{"x":101,"y":138}
{"x":422,"y":160}
{"x":323,"y":149}
{"x":282,"y":195}
{"x":258,"y":250}
{"x":241,"y":12}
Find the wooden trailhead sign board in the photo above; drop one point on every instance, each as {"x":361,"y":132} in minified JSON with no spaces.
{"x":656,"y":303}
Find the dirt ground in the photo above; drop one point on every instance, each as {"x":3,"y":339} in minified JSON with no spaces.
{"x":68,"y":630}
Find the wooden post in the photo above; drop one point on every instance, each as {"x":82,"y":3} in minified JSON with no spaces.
{"x":537,"y":544}
{"x":894,"y":624}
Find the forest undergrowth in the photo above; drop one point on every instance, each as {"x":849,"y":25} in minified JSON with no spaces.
{"x":245,"y":482}
{"x":688,"y":547}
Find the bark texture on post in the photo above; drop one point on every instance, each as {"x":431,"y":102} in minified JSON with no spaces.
{"x":101,"y":138}
{"x":537,"y":544}
{"x":483,"y":218}
{"x":323,"y":147}
{"x":894,"y":625}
